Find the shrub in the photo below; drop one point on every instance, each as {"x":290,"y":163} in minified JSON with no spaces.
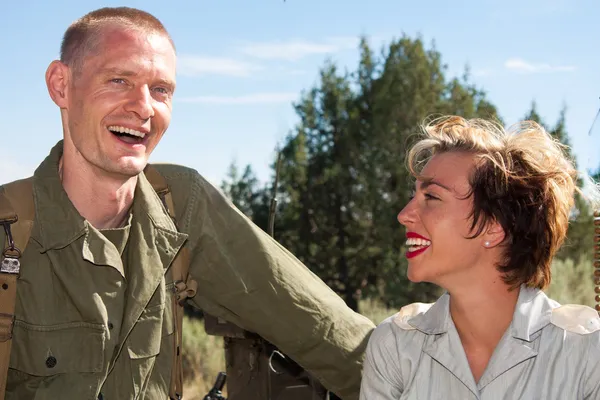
{"x":572,"y":283}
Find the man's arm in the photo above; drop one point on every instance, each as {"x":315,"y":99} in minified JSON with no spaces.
{"x":247,"y":278}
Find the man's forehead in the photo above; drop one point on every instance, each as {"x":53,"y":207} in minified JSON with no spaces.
{"x":112,"y":35}
{"x":125,"y":50}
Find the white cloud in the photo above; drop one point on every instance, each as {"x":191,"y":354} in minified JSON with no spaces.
{"x":519,"y":65}
{"x":256,"y":98}
{"x":198,"y":65}
{"x":295,"y":50}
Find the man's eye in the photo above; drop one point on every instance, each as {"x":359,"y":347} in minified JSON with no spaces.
{"x":161,"y":90}
{"x":430,"y":197}
{"x":117,"y":80}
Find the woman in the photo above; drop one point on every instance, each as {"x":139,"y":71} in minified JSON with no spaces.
{"x":490,"y":210}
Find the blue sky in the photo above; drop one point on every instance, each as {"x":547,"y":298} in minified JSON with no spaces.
{"x":243,"y":62}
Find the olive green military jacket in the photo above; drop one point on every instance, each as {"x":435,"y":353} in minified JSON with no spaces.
{"x":91,"y":323}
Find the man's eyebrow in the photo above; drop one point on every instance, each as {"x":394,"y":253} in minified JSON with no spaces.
{"x":426,"y":182}
{"x":118,"y":71}
{"x":167,"y":82}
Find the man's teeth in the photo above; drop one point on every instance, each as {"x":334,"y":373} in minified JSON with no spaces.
{"x":121,"y":129}
{"x":417,"y":243}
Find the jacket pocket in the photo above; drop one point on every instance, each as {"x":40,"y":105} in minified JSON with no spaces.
{"x":145,"y":338}
{"x":45,"y":350}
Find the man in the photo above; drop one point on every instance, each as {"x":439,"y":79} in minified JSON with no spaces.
{"x":93,"y":316}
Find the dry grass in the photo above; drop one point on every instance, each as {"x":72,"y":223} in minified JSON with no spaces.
{"x":203,"y":358}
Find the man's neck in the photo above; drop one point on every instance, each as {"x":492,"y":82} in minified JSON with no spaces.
{"x":102,"y":200}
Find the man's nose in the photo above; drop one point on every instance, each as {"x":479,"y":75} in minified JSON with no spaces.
{"x":141,"y":103}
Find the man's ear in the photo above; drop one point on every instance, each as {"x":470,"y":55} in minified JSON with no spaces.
{"x":494,"y":234}
{"x":57,"y":82}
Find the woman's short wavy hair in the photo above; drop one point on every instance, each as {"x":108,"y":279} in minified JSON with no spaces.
{"x":523,"y":178}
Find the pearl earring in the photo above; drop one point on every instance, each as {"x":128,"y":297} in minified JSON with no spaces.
{"x":487,"y":244}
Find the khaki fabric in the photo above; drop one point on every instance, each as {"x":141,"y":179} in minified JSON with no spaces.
{"x":11,"y":206}
{"x":85,"y":324}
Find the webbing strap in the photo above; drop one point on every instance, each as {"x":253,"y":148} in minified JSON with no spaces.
{"x":16,"y":198}
{"x":184,"y":287}
{"x":8,"y":295}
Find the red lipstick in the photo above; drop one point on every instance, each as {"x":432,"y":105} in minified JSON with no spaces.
{"x":414,"y":235}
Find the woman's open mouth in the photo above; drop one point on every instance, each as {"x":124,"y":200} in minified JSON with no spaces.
{"x":416,"y":243}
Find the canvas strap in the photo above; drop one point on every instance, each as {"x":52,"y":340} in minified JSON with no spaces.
{"x":16,"y":219}
{"x":184,"y":286}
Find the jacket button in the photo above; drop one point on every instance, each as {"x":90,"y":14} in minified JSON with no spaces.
{"x":100,"y":397}
{"x":110,"y":325}
{"x":51,"y":362}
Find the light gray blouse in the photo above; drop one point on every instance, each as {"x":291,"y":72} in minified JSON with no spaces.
{"x":549,"y":352}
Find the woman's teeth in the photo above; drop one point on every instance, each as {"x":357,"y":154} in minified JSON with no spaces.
{"x":415,"y":244}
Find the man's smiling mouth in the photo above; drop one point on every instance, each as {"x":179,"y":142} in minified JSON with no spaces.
{"x":127,"y":135}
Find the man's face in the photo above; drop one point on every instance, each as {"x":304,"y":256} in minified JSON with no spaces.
{"x":119,"y":103}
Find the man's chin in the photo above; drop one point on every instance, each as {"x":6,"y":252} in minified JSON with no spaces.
{"x":129,"y":168}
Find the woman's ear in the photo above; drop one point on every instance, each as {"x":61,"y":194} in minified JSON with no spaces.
{"x":493,"y":235}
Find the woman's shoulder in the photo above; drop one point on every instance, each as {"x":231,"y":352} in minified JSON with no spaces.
{"x":577,"y":327}
{"x":396,"y":330}
{"x":576,"y":318}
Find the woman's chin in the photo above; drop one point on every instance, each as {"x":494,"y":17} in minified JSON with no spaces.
{"x":416,"y":274}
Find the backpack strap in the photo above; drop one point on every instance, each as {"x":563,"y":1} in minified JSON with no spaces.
{"x":184,"y":286}
{"x":16,"y":199}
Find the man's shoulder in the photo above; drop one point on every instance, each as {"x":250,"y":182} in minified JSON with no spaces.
{"x":180,"y":176}
{"x":17,"y":197}
{"x":175,"y":171}
{"x":16,"y":182}
{"x":186,"y":181}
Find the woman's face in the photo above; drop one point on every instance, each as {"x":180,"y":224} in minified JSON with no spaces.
{"x":438,"y":224}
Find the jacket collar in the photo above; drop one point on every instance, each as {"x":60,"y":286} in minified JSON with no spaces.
{"x":58,"y":223}
{"x":532,"y":313}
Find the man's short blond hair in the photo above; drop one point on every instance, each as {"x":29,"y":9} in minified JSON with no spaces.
{"x":83,"y":35}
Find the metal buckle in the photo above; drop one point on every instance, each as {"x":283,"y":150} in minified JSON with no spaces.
{"x":11,"y":254}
